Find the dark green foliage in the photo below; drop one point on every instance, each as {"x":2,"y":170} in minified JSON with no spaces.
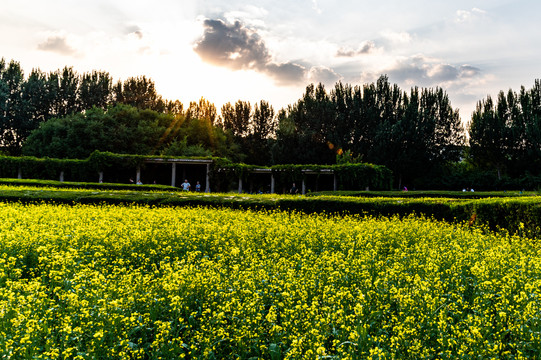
{"x":127,"y":130}
{"x":350,"y":176}
{"x":27,"y":103}
{"x":377,"y":123}
{"x":86,"y":185}
{"x":427,"y":194}
{"x":115,"y":167}
{"x":12,"y":117}
{"x":416,"y":134}
{"x":506,"y":135}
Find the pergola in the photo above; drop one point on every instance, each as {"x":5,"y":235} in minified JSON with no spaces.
{"x":174,"y":163}
{"x":207,"y":162}
{"x":304,"y":172}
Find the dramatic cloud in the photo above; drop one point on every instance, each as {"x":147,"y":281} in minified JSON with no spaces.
{"x":57,"y":44}
{"x":239,"y":48}
{"x":232,"y":45}
{"x":366,"y":48}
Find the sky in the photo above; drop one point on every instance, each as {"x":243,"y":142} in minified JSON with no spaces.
{"x":268,"y":50}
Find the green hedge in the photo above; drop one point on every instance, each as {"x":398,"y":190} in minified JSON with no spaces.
{"x":86,"y":185}
{"x":430,"y":194}
{"x":517,"y":215}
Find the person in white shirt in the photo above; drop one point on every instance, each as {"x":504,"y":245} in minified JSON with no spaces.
{"x":186,"y":185}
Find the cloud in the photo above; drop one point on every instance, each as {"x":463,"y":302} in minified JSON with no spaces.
{"x":135,"y":30}
{"x":424,"y":71}
{"x":468,"y":15}
{"x":402,"y":37}
{"x":232,"y":45}
{"x":250,"y":14}
{"x":58,"y":44}
{"x":321,"y":74}
{"x":316,"y":7}
{"x":366,"y":48}
{"x":468,"y":71}
{"x":237,"y":47}
{"x":286,"y":73}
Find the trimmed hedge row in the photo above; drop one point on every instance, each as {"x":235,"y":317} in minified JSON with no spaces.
{"x":86,"y":185}
{"x":428,"y":194}
{"x":516,"y":215}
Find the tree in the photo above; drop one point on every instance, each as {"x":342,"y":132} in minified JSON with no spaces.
{"x":262,"y":126}
{"x":236,"y":118}
{"x":488,"y":137}
{"x":121,"y":129}
{"x":35,"y":104}
{"x":346,"y":104}
{"x":12,"y":116}
{"x":202,"y":110}
{"x":139,"y":92}
{"x":530,"y":125}
{"x":302,"y":137}
{"x":95,"y":89}
{"x":62,"y":92}
{"x":174,"y":107}
{"x":258,"y":142}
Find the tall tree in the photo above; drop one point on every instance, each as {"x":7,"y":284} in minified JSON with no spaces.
{"x":139,"y":92}
{"x":34,"y":102}
{"x":236,"y":118}
{"x":62,"y":88}
{"x":530,"y":101}
{"x":346,"y":104}
{"x":202,"y":110}
{"x":12,"y":116}
{"x":95,"y":89}
{"x":261,"y":130}
{"x":308,"y":143}
{"x":488,"y":137}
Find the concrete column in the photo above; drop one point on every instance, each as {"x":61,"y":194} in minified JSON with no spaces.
{"x":272,"y":183}
{"x":303,"y":187}
{"x":100,"y":176}
{"x":173,"y":174}
{"x":62,"y":176}
{"x":335,"y":183}
{"x":207,"y":179}
{"x":19,"y":174}
{"x":240,"y":185}
{"x":138,"y":175}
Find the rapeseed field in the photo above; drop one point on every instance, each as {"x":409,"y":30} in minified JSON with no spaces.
{"x":136,"y":282}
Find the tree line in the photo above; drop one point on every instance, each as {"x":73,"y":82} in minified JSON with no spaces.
{"x":415,"y":133}
{"x":25,"y":103}
{"x":506,"y":134}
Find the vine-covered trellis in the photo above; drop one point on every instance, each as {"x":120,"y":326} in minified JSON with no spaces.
{"x":345,"y":176}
